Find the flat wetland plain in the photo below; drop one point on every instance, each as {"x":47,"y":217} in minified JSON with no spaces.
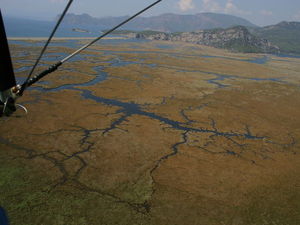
{"x":153,"y":134}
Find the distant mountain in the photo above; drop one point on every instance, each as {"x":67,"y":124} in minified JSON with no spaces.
{"x":165,"y":22}
{"x":286,"y":35}
{"x":236,"y":38}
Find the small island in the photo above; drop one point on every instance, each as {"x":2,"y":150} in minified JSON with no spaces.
{"x":80,"y":30}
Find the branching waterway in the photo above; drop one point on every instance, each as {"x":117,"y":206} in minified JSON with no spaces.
{"x":129,"y":108}
{"x":206,"y":136}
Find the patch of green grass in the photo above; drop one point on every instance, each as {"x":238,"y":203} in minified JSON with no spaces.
{"x":286,"y":37}
{"x":239,"y":45}
{"x":27,"y":198}
{"x":139,"y":192}
{"x":275,"y":205}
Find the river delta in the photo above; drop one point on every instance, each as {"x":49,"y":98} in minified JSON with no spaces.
{"x":153,"y":133}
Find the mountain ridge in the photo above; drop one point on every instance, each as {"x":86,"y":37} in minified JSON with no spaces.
{"x":168,"y":22}
{"x":283,"y":37}
{"x":286,"y":35}
{"x":236,"y":38}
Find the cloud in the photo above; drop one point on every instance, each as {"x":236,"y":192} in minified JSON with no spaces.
{"x":57,"y":1}
{"x":266,"y":13}
{"x":297,"y":15}
{"x":229,"y":8}
{"x":185,"y":5}
{"x":211,"y":6}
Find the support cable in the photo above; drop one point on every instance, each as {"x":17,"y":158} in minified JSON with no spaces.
{"x":54,"y":67}
{"x":25,"y":84}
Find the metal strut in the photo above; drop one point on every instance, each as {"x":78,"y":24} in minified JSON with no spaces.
{"x":24,"y":86}
{"x":59,"y":63}
{"x":7,"y":76}
{"x":9,"y":91}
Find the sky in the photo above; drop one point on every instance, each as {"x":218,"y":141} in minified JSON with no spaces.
{"x":259,"y":12}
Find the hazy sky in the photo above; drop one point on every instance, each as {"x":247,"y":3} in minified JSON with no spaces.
{"x":260,"y":12}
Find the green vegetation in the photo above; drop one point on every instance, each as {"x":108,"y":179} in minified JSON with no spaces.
{"x":132,"y":175}
{"x":274,"y":205}
{"x":285,"y":35}
{"x":166,"y":22}
{"x":28,"y":199}
{"x":240,"y":46}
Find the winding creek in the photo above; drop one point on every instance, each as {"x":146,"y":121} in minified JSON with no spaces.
{"x":129,"y":108}
{"x":83,"y":158}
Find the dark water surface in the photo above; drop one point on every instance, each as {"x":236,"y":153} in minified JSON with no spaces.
{"x":117,"y":61}
{"x":3,"y":217}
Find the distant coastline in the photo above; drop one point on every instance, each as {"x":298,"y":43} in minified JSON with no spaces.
{"x":62,"y":38}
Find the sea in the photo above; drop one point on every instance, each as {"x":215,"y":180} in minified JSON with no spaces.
{"x":16,"y":27}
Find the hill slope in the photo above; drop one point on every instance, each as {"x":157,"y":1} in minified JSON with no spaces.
{"x":285,"y":35}
{"x":235,"y":39}
{"x":165,"y":22}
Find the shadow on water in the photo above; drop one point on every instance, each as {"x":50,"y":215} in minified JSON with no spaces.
{"x":262,"y":60}
{"x":131,"y":108}
{"x":223,"y":77}
{"x":161,"y":46}
{"x":288,"y":56}
{"x":258,"y":60}
{"x":119,"y":62}
{"x":3,"y":217}
{"x":101,"y":76}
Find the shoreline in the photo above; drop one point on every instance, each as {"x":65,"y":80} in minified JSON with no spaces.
{"x":62,"y":38}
